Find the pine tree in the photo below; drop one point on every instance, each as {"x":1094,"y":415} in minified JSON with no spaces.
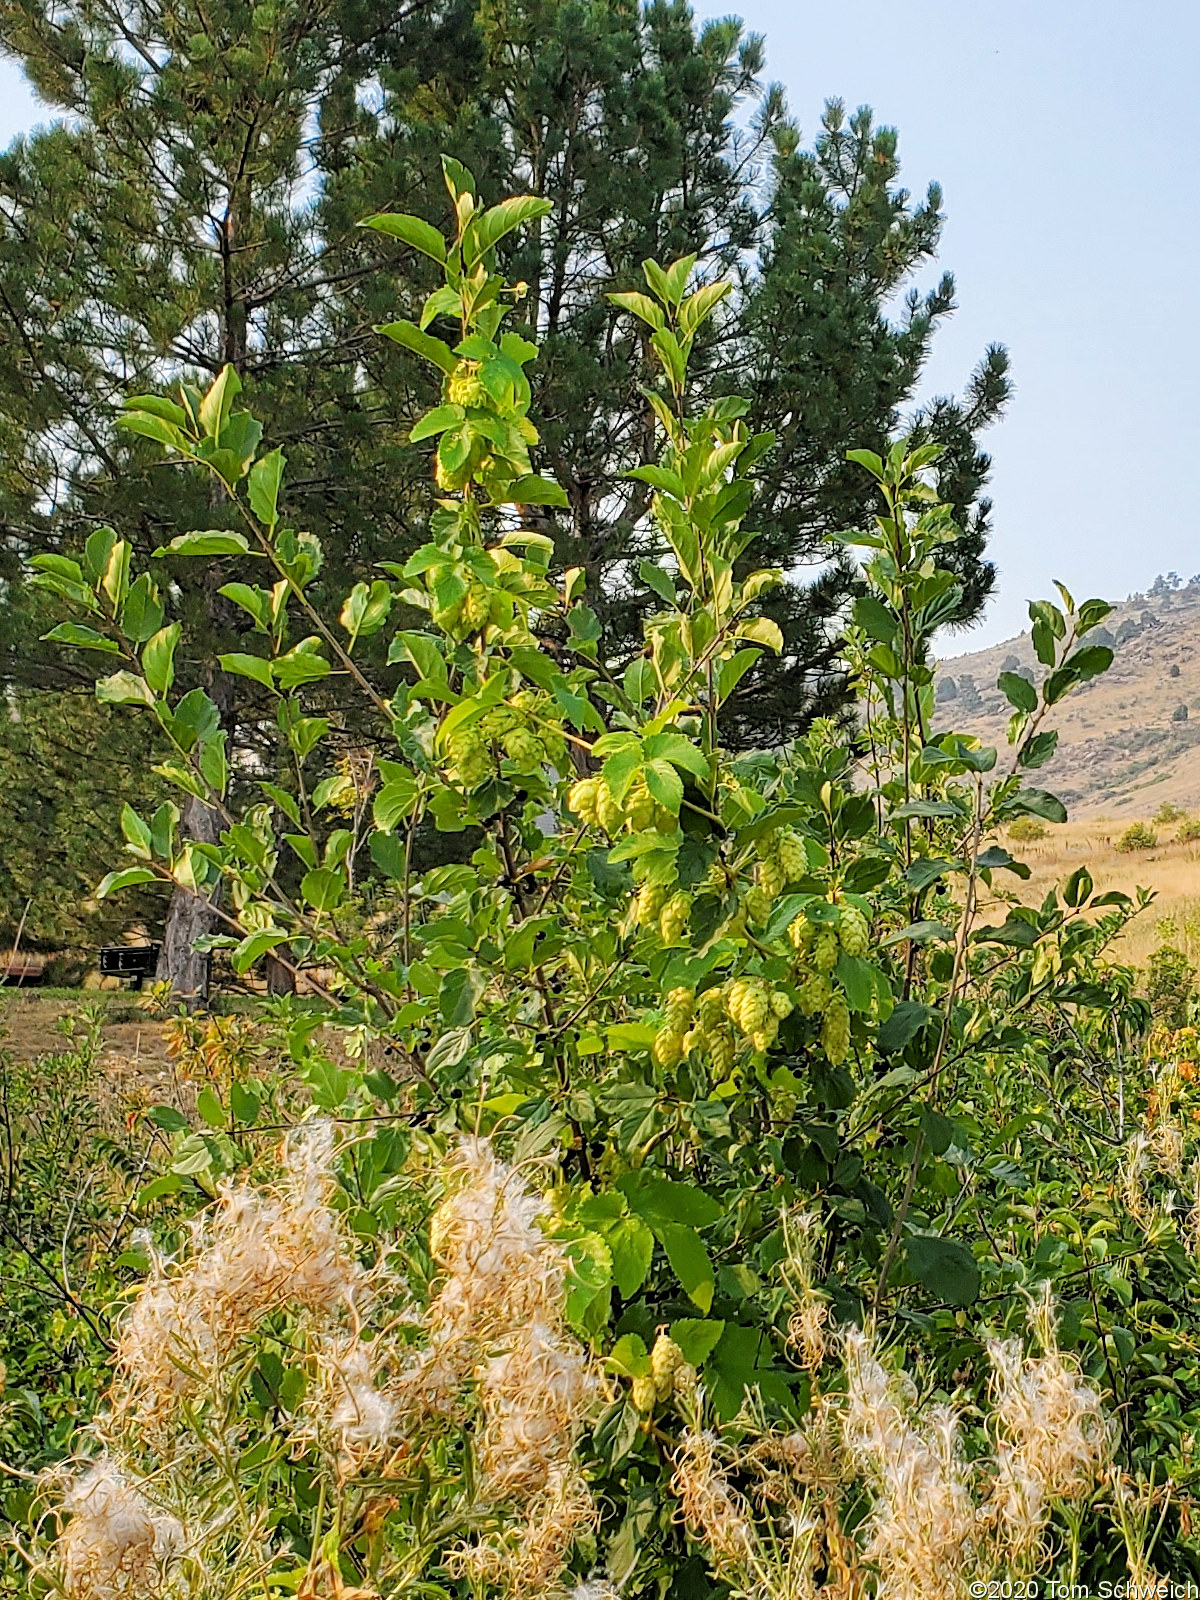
{"x":203,"y":204}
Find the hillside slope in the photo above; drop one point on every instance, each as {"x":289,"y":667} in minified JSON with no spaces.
{"x":1128,"y":741}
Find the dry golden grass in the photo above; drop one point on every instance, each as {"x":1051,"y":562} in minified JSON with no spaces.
{"x":1171,"y":869}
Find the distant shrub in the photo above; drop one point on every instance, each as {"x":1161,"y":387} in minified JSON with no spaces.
{"x":1180,"y":714}
{"x":1189,"y":830}
{"x":1026,"y":830}
{"x":947,"y":689}
{"x":1173,"y":671}
{"x":1137,"y":836}
{"x":1169,"y":985}
{"x":1167,"y":813}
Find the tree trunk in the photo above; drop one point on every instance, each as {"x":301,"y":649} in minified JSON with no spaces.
{"x":280,"y":979}
{"x":189,"y":917}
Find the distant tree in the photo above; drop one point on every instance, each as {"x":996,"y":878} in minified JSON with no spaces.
{"x":947,"y":689}
{"x":199,"y":203}
{"x":1173,"y":670}
{"x":1011,"y":663}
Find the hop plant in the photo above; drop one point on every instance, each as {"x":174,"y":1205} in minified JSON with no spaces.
{"x":801,"y":933}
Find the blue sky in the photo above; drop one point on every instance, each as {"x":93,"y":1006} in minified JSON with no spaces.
{"x":1065,"y":136}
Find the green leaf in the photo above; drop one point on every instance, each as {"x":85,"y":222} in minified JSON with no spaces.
{"x":1036,"y":751}
{"x":640,"y":305}
{"x":301,"y":665}
{"x":127,"y":878}
{"x":168,"y":1119}
{"x":245,"y":1104}
{"x":412,"y":231}
{"x":459,"y":994}
{"x":137,"y":833}
{"x":697,"y":1338}
{"x":857,"y":978}
{"x":216,"y":405}
{"x":905,"y":1022}
{"x":1038,"y":803}
{"x":210,"y":1108}
{"x":486,"y":229}
{"x":151,"y":427}
{"x":435,"y":351}
{"x":243,"y":956}
{"x":659,"y":1200}
{"x":142,"y":613}
{"x":925,"y":870}
{"x":158,"y":657}
{"x":690,"y":1261}
{"x":632,"y":1246}
{"x":212,"y":542}
{"x":247,"y":666}
{"x":533,"y":490}
{"x":1018,"y":691}
{"x":435,"y":422}
{"x":262,"y":487}
{"x":1086,"y":663}
{"x":85,"y":638}
{"x":323,"y":888}
{"x":944,"y":1267}
{"x":664,"y":784}
{"x":124,"y":688}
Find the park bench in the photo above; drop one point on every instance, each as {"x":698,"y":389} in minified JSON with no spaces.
{"x":134,"y":961}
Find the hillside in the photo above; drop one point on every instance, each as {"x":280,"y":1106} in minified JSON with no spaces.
{"x":1128,"y":741}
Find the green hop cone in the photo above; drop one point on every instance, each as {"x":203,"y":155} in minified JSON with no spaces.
{"x":651,"y":898}
{"x":814,"y":994}
{"x":680,"y":1004}
{"x":793,"y":857}
{"x":854,"y":932}
{"x":609,"y":812}
{"x":674,"y":917}
{"x":801,"y":933}
{"x":835,"y":1031}
{"x":667,"y":1048}
{"x":581,"y":799}
{"x":645,"y":1393}
{"x":825,"y":950}
{"x":771,"y":877}
{"x":665,"y":1360}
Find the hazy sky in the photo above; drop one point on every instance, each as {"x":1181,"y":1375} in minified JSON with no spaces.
{"x":1065,"y":136}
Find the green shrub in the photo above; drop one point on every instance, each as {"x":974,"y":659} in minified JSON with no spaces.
{"x":1026,"y":830}
{"x":1170,"y":985}
{"x":1167,"y":813}
{"x":1189,"y":830}
{"x":1137,"y":836}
